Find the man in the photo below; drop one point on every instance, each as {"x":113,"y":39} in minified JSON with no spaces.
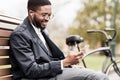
{"x":35,"y":57}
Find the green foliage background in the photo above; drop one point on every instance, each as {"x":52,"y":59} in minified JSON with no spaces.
{"x":94,"y":16}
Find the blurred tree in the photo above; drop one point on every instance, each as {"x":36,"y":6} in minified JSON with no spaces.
{"x":96,"y":14}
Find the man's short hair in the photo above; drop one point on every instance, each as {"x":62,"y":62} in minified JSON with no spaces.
{"x":34,"y":4}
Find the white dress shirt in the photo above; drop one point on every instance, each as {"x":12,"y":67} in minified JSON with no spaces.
{"x":38,"y":31}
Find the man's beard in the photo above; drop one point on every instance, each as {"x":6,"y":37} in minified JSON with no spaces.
{"x":37,"y":23}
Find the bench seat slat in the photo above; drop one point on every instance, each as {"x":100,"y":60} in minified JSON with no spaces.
{"x":4,"y":72}
{"x":4,"y":52}
{"x":4,"y":61}
{"x":6,"y":78}
{"x":5,"y":33}
{"x":5,"y":28}
{"x":4,"y":42}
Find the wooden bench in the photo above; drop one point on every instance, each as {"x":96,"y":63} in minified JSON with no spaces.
{"x":7,"y":24}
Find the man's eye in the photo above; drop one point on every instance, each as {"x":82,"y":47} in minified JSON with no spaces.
{"x":43,"y":14}
{"x":46,"y":15}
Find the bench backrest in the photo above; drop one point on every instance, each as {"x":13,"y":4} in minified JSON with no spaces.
{"x":5,"y":31}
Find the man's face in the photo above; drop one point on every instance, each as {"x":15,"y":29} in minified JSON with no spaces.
{"x":41,"y":16}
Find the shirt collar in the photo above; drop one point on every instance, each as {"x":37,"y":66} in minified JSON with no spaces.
{"x":37,"y":30}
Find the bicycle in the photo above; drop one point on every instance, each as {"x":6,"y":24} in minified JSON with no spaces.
{"x":112,"y":69}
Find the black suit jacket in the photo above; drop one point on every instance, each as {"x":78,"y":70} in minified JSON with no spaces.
{"x":29,"y":57}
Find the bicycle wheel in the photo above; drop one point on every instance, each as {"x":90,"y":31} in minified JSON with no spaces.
{"x":111,"y":72}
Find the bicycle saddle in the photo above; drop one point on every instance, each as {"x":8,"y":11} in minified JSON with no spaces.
{"x":73,"y":39}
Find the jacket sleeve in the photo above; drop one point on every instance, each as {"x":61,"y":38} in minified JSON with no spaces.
{"x":20,"y":45}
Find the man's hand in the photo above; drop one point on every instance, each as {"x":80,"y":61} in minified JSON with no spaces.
{"x":72,"y":58}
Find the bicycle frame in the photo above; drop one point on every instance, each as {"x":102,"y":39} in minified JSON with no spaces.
{"x":104,"y":65}
{"x":106,"y":49}
{"x":98,"y":50}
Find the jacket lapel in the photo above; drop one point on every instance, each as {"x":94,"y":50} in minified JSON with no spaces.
{"x":55,"y":51}
{"x":35,"y":36}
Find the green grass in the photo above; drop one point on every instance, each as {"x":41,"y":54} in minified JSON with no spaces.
{"x":95,"y":62}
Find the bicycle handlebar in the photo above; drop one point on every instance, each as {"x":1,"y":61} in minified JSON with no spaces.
{"x":113,"y":30}
{"x":108,"y":37}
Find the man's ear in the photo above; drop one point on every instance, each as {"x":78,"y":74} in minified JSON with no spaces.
{"x":31,"y":13}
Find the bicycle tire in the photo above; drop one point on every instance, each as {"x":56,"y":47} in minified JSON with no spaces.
{"x":111,"y":72}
